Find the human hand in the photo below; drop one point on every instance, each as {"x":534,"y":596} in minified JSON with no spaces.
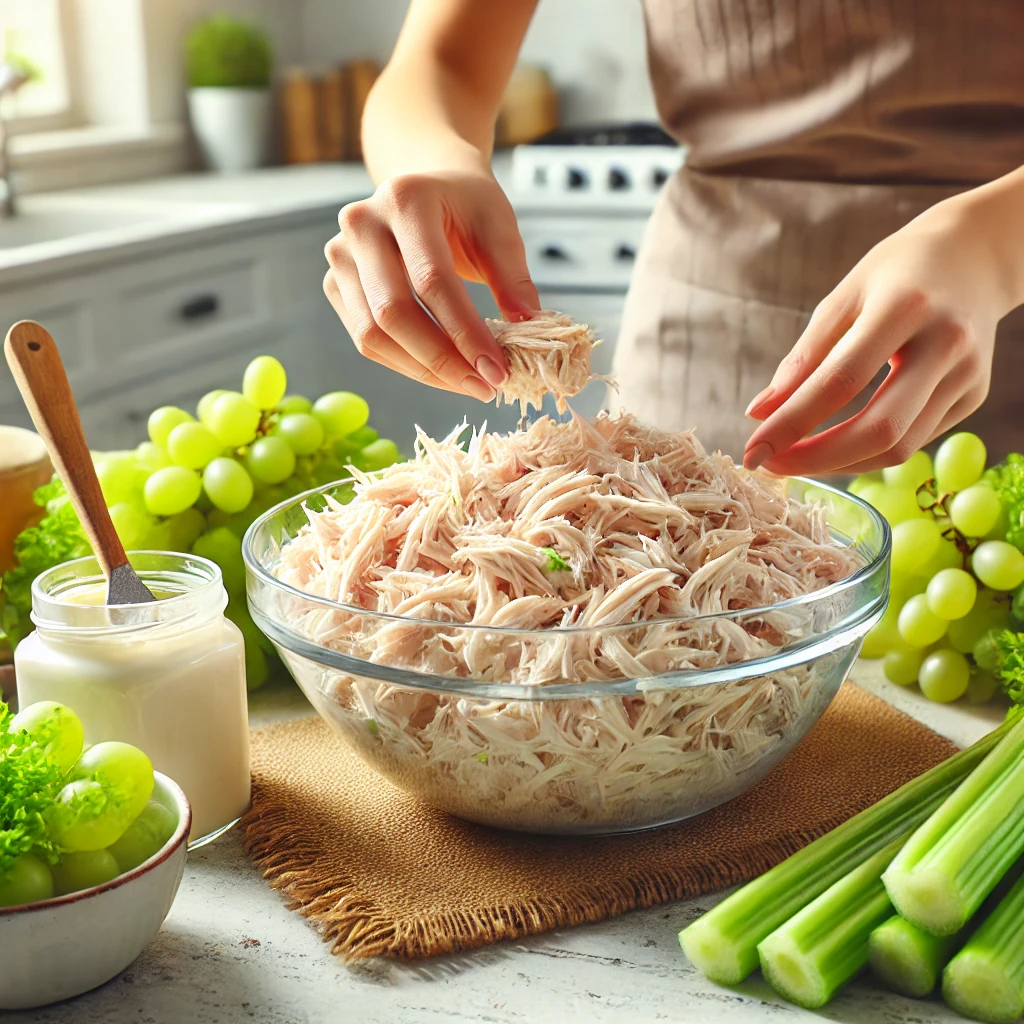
{"x":408,"y":244}
{"x":925,"y":300}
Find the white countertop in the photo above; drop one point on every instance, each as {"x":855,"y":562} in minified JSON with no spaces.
{"x":230,"y":952}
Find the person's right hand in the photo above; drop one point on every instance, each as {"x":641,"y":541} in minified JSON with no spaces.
{"x":408,"y":244}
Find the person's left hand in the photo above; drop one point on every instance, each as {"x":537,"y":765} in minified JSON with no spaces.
{"x":925,"y":300}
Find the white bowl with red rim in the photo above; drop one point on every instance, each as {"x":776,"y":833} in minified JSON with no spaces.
{"x":62,"y":947}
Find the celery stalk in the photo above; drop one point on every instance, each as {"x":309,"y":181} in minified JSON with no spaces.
{"x":910,"y":960}
{"x":985,"y":980}
{"x":957,"y":857}
{"x":826,"y":944}
{"x":723,"y":943}
{"x":907,"y":959}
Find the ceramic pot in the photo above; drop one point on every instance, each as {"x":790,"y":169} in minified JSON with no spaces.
{"x":231,"y":126}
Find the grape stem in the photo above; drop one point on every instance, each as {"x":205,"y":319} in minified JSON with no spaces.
{"x":963,"y":544}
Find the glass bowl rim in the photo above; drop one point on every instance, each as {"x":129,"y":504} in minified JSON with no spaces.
{"x":797,"y":653}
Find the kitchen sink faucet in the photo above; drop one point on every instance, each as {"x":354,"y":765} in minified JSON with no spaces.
{"x":11,"y":80}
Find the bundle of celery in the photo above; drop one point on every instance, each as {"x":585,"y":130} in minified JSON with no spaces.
{"x":903,"y":884}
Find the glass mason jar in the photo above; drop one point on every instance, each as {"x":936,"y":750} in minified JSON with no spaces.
{"x":168,"y":677}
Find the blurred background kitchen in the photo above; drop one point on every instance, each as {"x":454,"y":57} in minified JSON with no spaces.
{"x":171,"y":180}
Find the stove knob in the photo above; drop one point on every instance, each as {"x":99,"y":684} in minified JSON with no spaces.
{"x":554,"y":252}
{"x":659,"y":177}
{"x":576,"y":179}
{"x":625,"y":253}
{"x":618,"y":179}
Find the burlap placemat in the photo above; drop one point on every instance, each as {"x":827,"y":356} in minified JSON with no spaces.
{"x":381,"y":874}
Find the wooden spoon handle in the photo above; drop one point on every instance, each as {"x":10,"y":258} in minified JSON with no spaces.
{"x":39,"y":373}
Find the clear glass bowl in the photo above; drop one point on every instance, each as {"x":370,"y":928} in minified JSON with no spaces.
{"x":575,"y":756}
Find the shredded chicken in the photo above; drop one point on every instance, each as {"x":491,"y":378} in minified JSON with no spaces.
{"x":598,"y":552}
{"x":547,"y":354}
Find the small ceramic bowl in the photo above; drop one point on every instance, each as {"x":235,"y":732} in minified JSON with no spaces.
{"x":67,"y":945}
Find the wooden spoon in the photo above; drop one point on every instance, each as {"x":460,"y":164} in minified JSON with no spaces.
{"x":39,"y":373}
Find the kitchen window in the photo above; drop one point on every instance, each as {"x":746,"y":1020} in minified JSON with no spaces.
{"x":36,"y":32}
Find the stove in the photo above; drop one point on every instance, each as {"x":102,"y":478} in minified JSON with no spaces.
{"x":583,"y":197}
{"x":606,"y":166}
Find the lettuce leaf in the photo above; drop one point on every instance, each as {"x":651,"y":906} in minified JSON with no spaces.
{"x":57,"y":538}
{"x":1008,"y":480}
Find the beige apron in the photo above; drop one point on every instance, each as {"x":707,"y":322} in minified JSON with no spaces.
{"x":815,"y":129}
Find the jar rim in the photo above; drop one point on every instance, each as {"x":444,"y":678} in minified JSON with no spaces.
{"x":196,"y":585}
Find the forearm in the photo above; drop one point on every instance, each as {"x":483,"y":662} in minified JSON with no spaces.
{"x":993,"y":219}
{"x":419,"y":119}
{"x":435,"y":106}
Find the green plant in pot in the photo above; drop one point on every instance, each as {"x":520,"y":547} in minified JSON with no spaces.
{"x":228,"y":67}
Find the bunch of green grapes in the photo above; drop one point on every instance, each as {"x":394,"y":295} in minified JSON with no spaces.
{"x":100,"y":818}
{"x":955,"y":581}
{"x":200,"y":480}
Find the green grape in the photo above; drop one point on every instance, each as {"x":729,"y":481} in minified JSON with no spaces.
{"x":55,"y":728}
{"x":111,"y":783}
{"x":378,"y":455}
{"x":959,"y":462}
{"x":982,"y":687}
{"x":28,"y":881}
{"x":160,"y":537}
{"x":362,"y":437}
{"x":951,"y":594}
{"x":145,"y":836}
{"x":944,"y":675}
{"x":270,"y":460}
{"x":264,"y":382}
{"x":184,"y":529}
{"x":82,"y":817}
{"x":292,"y":404}
{"x":228,"y":485}
{"x":257,"y":670}
{"x":234,"y":419}
{"x":988,"y":612}
{"x":304,"y":433}
{"x":151,"y":457}
{"x":163,"y":420}
{"x":193,"y":446}
{"x":205,"y":405}
{"x":897,"y":504}
{"x":902,"y":666}
{"x":986,"y":653}
{"x":912,"y":473}
{"x":914,"y":541}
{"x":917,"y":624}
{"x":124,"y":771}
{"x":171,"y":490}
{"x":1001,"y":525}
{"x":341,"y":412}
{"x":975,"y":510}
{"x":119,"y":477}
{"x":132,"y":524}
{"x":84,"y":870}
{"x":998,"y":565}
{"x":224,"y":548}
{"x":884,"y":635}
{"x":860,"y":483}
{"x":947,"y":556}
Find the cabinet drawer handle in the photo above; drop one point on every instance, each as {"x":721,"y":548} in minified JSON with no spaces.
{"x":203,"y":305}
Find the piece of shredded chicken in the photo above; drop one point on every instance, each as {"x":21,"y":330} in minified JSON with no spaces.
{"x":606,"y":545}
{"x":549,"y":354}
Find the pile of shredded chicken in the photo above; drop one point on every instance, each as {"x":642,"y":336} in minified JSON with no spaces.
{"x":605,"y":543}
{"x":548,"y":354}
{"x":577,"y":524}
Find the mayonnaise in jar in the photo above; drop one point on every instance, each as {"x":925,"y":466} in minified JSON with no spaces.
{"x":168,"y":677}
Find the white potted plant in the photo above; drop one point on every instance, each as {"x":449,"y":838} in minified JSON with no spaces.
{"x":228,"y":65}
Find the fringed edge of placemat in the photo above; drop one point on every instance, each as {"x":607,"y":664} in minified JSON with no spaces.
{"x":358,"y":929}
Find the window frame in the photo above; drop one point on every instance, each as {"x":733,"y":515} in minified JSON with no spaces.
{"x":68,"y":116}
